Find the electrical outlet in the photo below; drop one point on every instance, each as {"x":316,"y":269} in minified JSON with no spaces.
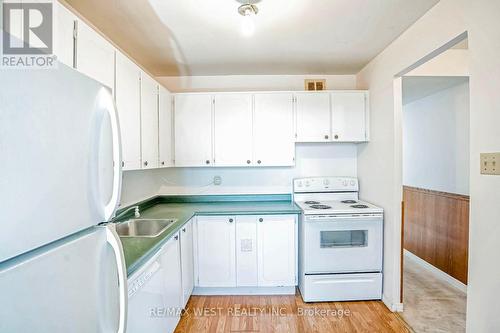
{"x":490,"y":163}
{"x":217,"y":180}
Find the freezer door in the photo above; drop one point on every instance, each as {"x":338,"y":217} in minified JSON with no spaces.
{"x":68,"y":286}
{"x":60,"y":150}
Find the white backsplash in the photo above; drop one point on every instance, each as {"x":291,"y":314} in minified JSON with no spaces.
{"x":312,"y":159}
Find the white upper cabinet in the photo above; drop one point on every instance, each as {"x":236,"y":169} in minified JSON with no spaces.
{"x":233,"y":129}
{"x":95,"y":56}
{"x":313,"y":116}
{"x":165,"y":127}
{"x":149,"y":122}
{"x":349,"y":116}
{"x":128,"y":103}
{"x":64,"y":34}
{"x":193,"y":130}
{"x":273,"y":130}
{"x":216,"y":251}
{"x":277,"y":251}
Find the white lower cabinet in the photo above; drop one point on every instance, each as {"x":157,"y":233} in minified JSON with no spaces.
{"x":277,"y":256}
{"x":154,"y":292}
{"x":186,"y":235}
{"x":246,"y":251}
{"x":216,"y":251}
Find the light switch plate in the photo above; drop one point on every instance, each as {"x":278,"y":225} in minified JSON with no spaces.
{"x":490,"y":163}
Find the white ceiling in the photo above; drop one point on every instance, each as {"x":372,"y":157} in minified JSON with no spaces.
{"x":194,"y":37}
{"x":417,"y":87}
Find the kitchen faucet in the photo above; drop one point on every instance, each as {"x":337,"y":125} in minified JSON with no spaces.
{"x":137,"y":214}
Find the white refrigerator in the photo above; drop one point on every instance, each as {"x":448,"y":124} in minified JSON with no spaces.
{"x":61,"y":269}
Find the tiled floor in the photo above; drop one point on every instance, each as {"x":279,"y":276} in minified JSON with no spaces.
{"x":430,"y":304}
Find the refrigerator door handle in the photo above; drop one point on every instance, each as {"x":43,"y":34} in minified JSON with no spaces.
{"x":114,"y":240}
{"x":110,"y":107}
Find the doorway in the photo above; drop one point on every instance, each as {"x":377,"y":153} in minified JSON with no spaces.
{"x":435,"y":165}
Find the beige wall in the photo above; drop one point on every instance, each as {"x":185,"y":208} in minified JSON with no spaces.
{"x":252,"y":82}
{"x":379,"y":162}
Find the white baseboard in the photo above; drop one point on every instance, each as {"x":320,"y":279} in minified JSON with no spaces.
{"x":393,"y":307}
{"x":204,"y":291}
{"x":436,"y":271}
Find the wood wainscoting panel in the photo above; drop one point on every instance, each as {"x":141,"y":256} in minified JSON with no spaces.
{"x":437,"y":229}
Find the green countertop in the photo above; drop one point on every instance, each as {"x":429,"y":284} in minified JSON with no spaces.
{"x":139,"y":249}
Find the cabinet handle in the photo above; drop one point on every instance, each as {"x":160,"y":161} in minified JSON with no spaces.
{"x":162,"y":162}
{"x":176,"y":237}
{"x":261,"y":220}
{"x":123,"y":164}
{"x":231,"y":220}
{"x":259,"y":161}
{"x":326,"y":137}
{"x":146,"y":163}
{"x":207,"y":162}
{"x":248,"y":161}
{"x":183,"y":229}
{"x":336,"y":136}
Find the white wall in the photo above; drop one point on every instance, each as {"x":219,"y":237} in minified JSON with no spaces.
{"x":484,"y":236}
{"x":452,"y":62}
{"x":139,"y":185}
{"x":436,"y":141}
{"x":319,"y":159}
{"x":379,"y":162}
{"x":252,"y":82}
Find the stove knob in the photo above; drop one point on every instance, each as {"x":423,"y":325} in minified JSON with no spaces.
{"x":344,"y":182}
{"x":299,"y":184}
{"x":307,"y":184}
{"x":326,"y":182}
{"x":353,"y":183}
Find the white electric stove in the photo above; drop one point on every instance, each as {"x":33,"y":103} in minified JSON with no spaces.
{"x":340,"y":241}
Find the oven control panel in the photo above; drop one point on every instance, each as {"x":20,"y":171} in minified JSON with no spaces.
{"x":325,"y":184}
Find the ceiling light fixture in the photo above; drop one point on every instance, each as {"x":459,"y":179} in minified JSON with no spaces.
{"x":248,"y":10}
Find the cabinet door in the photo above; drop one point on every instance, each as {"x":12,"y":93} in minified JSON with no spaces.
{"x":233,"y":129}
{"x":246,"y":251}
{"x":128,"y":103}
{"x":273,"y":130}
{"x":165,"y":127}
{"x":64,"y":30}
{"x":95,"y":56}
{"x":173,"y":286}
{"x":276,"y":250}
{"x":149,"y":122}
{"x":187,"y":261}
{"x":313,"y":117}
{"x":193,"y":130}
{"x":349,"y":116}
{"x":216,"y":251}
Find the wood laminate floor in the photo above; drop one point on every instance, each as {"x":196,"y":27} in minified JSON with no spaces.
{"x":286,"y":314}
{"x":431,"y":305}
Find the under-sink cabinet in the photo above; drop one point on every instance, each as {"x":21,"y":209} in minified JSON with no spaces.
{"x":245,"y":254}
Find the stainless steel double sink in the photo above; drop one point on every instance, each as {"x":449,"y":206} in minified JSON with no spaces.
{"x":143,"y":227}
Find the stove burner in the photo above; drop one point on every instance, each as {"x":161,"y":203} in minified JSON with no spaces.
{"x":311,"y":202}
{"x":359,"y":206}
{"x":349,"y":201}
{"x":320,"y":206}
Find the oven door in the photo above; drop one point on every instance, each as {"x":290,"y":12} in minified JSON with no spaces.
{"x":343,"y":243}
